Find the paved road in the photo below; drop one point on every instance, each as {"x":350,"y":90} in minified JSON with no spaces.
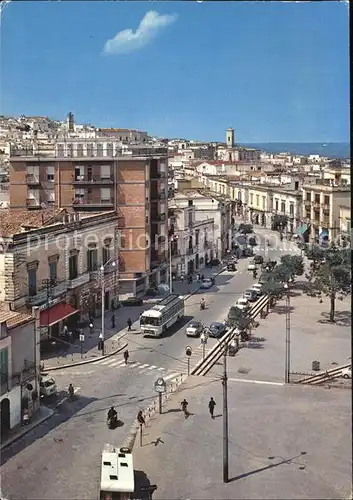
{"x":60,"y":459}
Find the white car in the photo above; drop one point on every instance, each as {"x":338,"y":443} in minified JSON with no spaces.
{"x":258,"y":288}
{"x":347,"y":372}
{"x":47,"y":385}
{"x":252,"y":266}
{"x":207,"y":283}
{"x":194,"y":329}
{"x":242,"y":304}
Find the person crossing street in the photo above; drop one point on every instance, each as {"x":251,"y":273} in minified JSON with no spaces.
{"x":211,"y":407}
{"x":129,"y":324}
{"x":126,"y":356}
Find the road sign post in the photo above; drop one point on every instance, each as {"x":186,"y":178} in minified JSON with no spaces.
{"x":160,"y":386}
{"x":188,"y":352}
{"x":141,"y":435}
{"x":82,"y":339}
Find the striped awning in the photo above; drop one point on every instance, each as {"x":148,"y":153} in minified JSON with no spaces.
{"x":302,"y":229}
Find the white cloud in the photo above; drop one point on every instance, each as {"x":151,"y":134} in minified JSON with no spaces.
{"x":126,"y":41}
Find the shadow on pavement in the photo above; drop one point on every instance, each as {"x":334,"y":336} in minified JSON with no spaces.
{"x":290,"y":461}
{"x":342,"y":318}
{"x":143,"y":487}
{"x":282,"y":309}
{"x":60,"y":417}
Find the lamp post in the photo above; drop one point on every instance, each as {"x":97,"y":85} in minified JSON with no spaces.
{"x":225,"y":418}
{"x":171,"y":239}
{"x":287,"y":350}
{"x":102,"y":269}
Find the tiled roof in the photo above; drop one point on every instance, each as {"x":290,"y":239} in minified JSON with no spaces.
{"x":13,"y":318}
{"x":11,"y":221}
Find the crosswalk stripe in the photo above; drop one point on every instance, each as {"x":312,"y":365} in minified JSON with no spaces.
{"x":152,"y":367}
{"x":104,"y":361}
{"x":117,"y":363}
{"x":134,"y":363}
{"x":160,"y":369}
{"x":144,"y":366}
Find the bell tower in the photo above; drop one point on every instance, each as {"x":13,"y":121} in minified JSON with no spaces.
{"x":230,"y":140}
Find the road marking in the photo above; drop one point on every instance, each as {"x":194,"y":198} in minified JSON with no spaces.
{"x":173,"y":375}
{"x":104,"y":361}
{"x":160,"y":369}
{"x":152,"y":367}
{"x":144,"y":366}
{"x":264,"y":382}
{"x":115,"y":363}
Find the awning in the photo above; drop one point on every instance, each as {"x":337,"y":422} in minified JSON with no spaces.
{"x":56,"y":313}
{"x":301,"y":229}
{"x":324,"y":234}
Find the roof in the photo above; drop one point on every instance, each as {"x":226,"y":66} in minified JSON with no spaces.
{"x":14,"y":318}
{"x":216,"y":163}
{"x":13,"y":221}
{"x":56,"y":313}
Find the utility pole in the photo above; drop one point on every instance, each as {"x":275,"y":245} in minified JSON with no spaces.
{"x":287,"y":354}
{"x":225,"y":417}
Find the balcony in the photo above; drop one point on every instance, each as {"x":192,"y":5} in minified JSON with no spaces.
{"x":81,"y":180}
{"x":316,"y":204}
{"x":326,"y":207}
{"x":80,"y":203}
{"x":32,"y":203}
{"x":32,"y":180}
{"x":82,"y":279}
{"x":45,"y":295}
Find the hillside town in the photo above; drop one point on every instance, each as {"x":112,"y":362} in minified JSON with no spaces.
{"x":94,"y":220}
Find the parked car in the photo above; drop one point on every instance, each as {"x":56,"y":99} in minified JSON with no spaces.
{"x":347,"y":372}
{"x":231,"y":266}
{"x":242,"y":304}
{"x":258,"y":288}
{"x":216,"y":329}
{"x":47,"y":385}
{"x":207,"y":283}
{"x":247,"y":252}
{"x":194,"y":329}
{"x":252,"y":266}
{"x":250,"y":295}
{"x":132,"y":301}
{"x":258,"y":259}
{"x":252,"y":241}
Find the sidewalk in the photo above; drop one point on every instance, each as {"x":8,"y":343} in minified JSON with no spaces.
{"x":114,"y":338}
{"x":41,"y":415}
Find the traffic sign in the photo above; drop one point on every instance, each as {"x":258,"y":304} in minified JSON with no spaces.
{"x":160,"y":385}
{"x":82,"y":337}
{"x":203,"y":339}
{"x":188,"y":350}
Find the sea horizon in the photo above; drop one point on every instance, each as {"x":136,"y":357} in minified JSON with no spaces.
{"x":339,"y":150}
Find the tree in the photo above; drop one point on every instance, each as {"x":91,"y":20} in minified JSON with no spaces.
{"x":314,"y":253}
{"x":294,"y":265}
{"x":332,"y":277}
{"x":237,"y":318}
{"x":279,"y":222}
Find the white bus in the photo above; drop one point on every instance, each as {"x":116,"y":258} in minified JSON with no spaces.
{"x":168,"y":311}
{"x":117,"y":474}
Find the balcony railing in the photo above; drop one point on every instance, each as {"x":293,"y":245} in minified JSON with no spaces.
{"x":32,"y":203}
{"x":32,"y":180}
{"x":82,"y":279}
{"x":42,"y":296}
{"x":95,"y":180}
{"x":80,"y":202}
{"x":326,"y":207}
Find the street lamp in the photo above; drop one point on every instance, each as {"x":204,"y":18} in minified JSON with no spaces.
{"x":171,"y":239}
{"x":102,"y":269}
{"x":287,"y":351}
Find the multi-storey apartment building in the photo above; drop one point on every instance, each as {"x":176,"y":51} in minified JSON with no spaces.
{"x":322,"y":208}
{"x":101,"y":176}
{"x":61,"y":263}
{"x":192,"y":243}
{"x":19,"y":367}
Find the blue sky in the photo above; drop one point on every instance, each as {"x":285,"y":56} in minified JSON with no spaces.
{"x":273,"y":71}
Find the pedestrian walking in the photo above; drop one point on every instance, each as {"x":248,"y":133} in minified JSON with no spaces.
{"x":126,"y":356}
{"x":129,"y":324}
{"x":91,"y":327}
{"x":65,"y":331}
{"x":211,"y":407}
{"x":113,"y":321}
{"x":140,"y":418}
{"x":184,"y":408}
{"x":182,"y":278}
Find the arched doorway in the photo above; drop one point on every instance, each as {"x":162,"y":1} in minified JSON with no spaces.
{"x":263,"y":220}
{"x":5,"y":415}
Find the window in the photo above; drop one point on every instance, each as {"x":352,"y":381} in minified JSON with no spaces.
{"x":276,"y":205}
{"x":291,"y":209}
{"x":80,"y":150}
{"x":73,"y":267}
{"x":99,"y":149}
{"x":92,"y":259}
{"x":190,"y":218}
{"x":32,"y":282}
{"x":89,"y":174}
{"x":283,"y":207}
{"x":110,"y":149}
{"x":105,"y":254}
{"x":251,"y":198}
{"x":50,"y":174}
{"x":308,"y":196}
{"x":317,"y":198}
{"x":326,"y":200}
{"x":105,"y":194}
{"x":90,"y":149}
{"x":53,"y":269}
{"x":79,"y":194}
{"x":264,"y":202}
{"x":257,"y":200}
{"x":105,"y":171}
{"x":4,"y":364}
